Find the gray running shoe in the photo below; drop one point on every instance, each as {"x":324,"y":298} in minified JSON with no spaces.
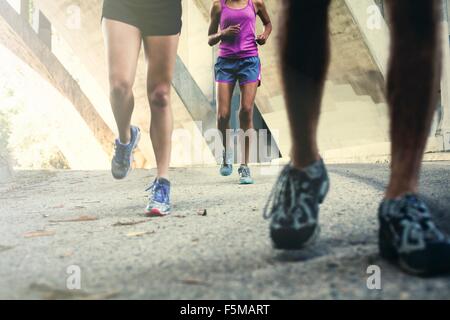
{"x":244,"y":175}
{"x":226,"y":169}
{"x":409,"y":238}
{"x":123,"y":156}
{"x":293,"y":205}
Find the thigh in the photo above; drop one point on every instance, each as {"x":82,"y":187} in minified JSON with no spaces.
{"x":161,"y":55}
{"x":248,"y":95}
{"x":123,"y":43}
{"x":224,"y":97}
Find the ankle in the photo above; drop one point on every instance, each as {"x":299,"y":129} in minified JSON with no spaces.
{"x":304,"y":162}
{"x":395,"y":192}
{"x":163,"y":176}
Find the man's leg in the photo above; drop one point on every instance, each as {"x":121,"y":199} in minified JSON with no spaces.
{"x":224,"y":96}
{"x":413,"y":84}
{"x":305,"y":55}
{"x":408,"y":235}
{"x":161,"y":53}
{"x":123,"y":43}
{"x":294,"y":204}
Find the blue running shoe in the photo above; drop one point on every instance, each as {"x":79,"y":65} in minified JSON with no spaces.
{"x":409,"y":238}
{"x":159,"y":198}
{"x":123,"y":156}
{"x":226,"y":169}
{"x":244,"y":175}
{"x":293,"y":206}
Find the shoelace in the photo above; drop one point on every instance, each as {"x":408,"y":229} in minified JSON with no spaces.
{"x":158,"y":192}
{"x":417,"y":212}
{"x":244,"y":171}
{"x":120,"y":151}
{"x":278,"y":189}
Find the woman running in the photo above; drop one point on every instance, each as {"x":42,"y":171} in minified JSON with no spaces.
{"x":238,"y":61}
{"x":126,"y":25}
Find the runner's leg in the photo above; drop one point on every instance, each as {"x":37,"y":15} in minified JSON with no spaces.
{"x":161,"y":53}
{"x":123,"y":43}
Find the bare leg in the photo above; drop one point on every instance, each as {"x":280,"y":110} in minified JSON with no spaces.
{"x":123,"y":43}
{"x":224,"y":96}
{"x":304,"y":41}
{"x":161,"y":53}
{"x":413,"y":84}
{"x":248,"y":95}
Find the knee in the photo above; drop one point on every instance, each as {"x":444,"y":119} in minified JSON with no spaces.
{"x":246,"y":114}
{"x":223,"y":118}
{"x":120,"y":89}
{"x":159,"y":96}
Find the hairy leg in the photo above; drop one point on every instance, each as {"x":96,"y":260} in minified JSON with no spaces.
{"x":161,"y":53}
{"x":413,"y":84}
{"x":224,"y":97}
{"x":248,"y":95}
{"x":123,"y":43}
{"x":304,"y":42}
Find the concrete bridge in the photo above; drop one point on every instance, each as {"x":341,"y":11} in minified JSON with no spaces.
{"x":354,"y":101}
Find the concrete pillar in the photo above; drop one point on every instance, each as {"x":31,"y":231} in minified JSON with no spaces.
{"x":45,"y":30}
{"x":445,"y":83}
{"x":25,"y":9}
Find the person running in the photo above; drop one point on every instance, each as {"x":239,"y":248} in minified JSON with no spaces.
{"x":408,"y":235}
{"x":238,"y":61}
{"x":126,"y":25}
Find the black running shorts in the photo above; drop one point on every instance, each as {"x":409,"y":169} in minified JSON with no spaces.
{"x":151,"y":17}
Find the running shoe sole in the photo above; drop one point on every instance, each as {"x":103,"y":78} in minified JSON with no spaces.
{"x":156,"y":213}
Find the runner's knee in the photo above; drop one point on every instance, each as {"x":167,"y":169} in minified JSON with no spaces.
{"x":246,"y":113}
{"x":159,"y":96}
{"x":120,"y":88}
{"x":223,"y":118}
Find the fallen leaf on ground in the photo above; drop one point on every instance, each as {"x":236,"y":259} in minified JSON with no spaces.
{"x":49,"y":293}
{"x":79,"y":219}
{"x":202,"y":212}
{"x":128,"y":223}
{"x":36,"y":234}
{"x":5,"y":248}
{"x":194,"y":282}
{"x":139,"y":234}
{"x":66,"y":254}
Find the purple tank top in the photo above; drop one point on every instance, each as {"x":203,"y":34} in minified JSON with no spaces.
{"x":244,"y":44}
